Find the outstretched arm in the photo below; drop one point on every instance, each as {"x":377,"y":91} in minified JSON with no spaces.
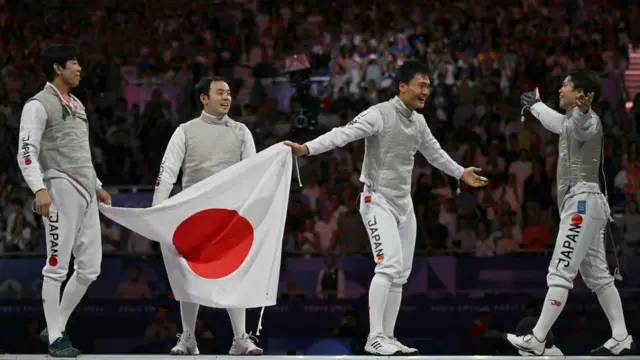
{"x":170,"y":166}
{"x":368,"y":123}
{"x":433,"y":152}
{"x":549,"y":118}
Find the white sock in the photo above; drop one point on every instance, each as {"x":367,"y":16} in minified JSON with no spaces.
{"x":238,"y":317}
{"x":553,"y":305}
{"x":51,"y":306}
{"x":189,"y":315}
{"x":378,"y":294}
{"x":391,"y":309}
{"x":73,"y":293}
{"x":609,"y":299}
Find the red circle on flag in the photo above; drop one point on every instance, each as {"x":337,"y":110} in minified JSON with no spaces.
{"x":576,"y":219}
{"x":214,"y":242}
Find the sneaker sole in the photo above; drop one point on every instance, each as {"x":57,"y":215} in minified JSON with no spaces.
{"x":528,"y":351}
{"x":397,"y":353}
{"x":603,"y":351}
{"x":250,"y":353}
{"x":410,"y":353}
{"x":71,"y":354}
{"x":63,"y":356}
{"x":178,"y":352}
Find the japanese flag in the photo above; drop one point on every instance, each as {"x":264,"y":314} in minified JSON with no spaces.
{"x":221,"y":238}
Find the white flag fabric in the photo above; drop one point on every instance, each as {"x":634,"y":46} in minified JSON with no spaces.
{"x":221,"y":238}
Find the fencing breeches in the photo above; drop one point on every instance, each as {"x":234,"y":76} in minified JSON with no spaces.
{"x":580,"y":243}
{"x":72,"y":227}
{"x":393,"y":241}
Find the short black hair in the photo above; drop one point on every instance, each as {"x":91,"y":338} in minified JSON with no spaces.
{"x":202,"y":88}
{"x":407,"y":71}
{"x":56,"y":54}
{"x":526,"y":325}
{"x":588,"y":81}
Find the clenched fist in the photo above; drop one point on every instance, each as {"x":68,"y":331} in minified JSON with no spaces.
{"x":298,"y":150}
{"x":43,"y":202}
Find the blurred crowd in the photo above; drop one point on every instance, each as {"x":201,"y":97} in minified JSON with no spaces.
{"x":482,"y":54}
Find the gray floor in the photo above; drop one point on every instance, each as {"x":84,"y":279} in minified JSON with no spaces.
{"x":212,"y":357}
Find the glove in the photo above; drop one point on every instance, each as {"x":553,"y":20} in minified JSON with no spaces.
{"x":527,"y":100}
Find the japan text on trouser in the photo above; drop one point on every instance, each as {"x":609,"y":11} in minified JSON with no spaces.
{"x":580,"y":243}
{"x":393,"y":241}
{"x":73,"y":226}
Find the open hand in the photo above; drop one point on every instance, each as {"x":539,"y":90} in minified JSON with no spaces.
{"x":530,"y":98}
{"x":470,"y":177}
{"x":298,"y":150}
{"x":527,"y":100}
{"x":583,"y":102}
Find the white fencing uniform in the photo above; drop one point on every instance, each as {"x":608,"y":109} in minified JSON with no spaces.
{"x":584,"y":210}
{"x":54,"y":153}
{"x":393,"y":134}
{"x":584,"y":213}
{"x":202,"y":147}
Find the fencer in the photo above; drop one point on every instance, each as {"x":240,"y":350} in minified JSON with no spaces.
{"x":202,"y":147}
{"x":55,"y":159}
{"x":393,"y":133}
{"x":584,"y":213}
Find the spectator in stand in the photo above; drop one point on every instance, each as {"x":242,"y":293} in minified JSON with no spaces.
{"x":536,"y":237}
{"x":631,"y":224}
{"x":136,"y":287}
{"x":161,"y":327}
{"x":325,"y":231}
{"x":485,"y":245}
{"x":479,"y":55}
{"x":330,"y":280}
{"x":507,"y":235}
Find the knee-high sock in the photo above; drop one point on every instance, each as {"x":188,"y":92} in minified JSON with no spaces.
{"x":378,"y":294}
{"x":51,"y":306}
{"x":73,"y":293}
{"x":391,"y":309}
{"x":609,"y":299}
{"x":189,"y":315}
{"x":553,"y":305}
{"x":238,"y":317}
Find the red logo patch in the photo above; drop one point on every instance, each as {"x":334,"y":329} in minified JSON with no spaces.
{"x":379,"y":259}
{"x":367,"y":199}
{"x":53,"y":261}
{"x":157,"y":183}
{"x":27,"y":162}
{"x":576,"y":219}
